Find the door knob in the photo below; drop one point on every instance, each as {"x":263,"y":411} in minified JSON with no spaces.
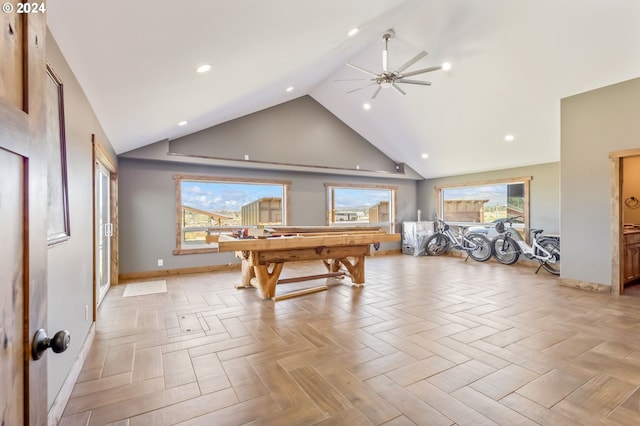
{"x":42,"y":342}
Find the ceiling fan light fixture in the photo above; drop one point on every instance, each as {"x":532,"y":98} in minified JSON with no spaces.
{"x":446,"y":66}
{"x":394,"y":78}
{"x":352,"y":32}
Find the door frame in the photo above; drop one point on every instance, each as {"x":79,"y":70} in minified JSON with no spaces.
{"x":100,"y":156}
{"x":617,"y":245}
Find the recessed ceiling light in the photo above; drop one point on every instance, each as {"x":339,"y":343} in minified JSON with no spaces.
{"x":290,"y":88}
{"x":203,"y":68}
{"x":352,"y":32}
{"x":509,"y":138}
{"x":425,"y":156}
{"x":446,"y":66}
{"x":366,"y":106}
{"x":182,"y":123}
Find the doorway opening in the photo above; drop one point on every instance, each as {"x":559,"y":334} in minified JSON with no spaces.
{"x":105,"y":224}
{"x":625,"y":222}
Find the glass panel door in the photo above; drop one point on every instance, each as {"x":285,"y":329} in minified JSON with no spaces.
{"x":103,"y":232}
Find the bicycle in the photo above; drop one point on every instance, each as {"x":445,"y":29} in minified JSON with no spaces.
{"x":508,"y":246}
{"x":477,"y":246}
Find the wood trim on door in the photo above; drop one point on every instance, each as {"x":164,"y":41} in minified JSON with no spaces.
{"x":617,"y":247}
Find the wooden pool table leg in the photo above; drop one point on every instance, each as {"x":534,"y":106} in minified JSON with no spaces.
{"x":332,"y":265}
{"x":247,"y":275}
{"x":266,"y":280}
{"x":355,"y":268}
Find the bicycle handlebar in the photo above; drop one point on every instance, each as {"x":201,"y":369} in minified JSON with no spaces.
{"x":508,"y":219}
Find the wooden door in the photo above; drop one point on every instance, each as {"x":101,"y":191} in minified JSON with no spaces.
{"x":23,"y":216}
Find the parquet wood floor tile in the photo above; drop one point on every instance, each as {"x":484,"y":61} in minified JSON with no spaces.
{"x":427,"y":341}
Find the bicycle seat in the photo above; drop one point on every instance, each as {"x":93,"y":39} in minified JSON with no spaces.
{"x":535,"y":232}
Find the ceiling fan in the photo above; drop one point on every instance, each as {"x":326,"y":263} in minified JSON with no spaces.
{"x":389,"y":78}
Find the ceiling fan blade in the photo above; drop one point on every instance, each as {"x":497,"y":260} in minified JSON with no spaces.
{"x":404,"y":80}
{"x":362,"y":69}
{"x":376,"y":92}
{"x":412,"y":61}
{"x":422,"y":71}
{"x":360,"y":88}
{"x":399,"y":90}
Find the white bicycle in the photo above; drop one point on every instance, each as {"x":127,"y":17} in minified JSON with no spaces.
{"x":509,"y":245}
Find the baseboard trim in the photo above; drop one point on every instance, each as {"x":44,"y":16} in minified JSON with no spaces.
{"x":173,"y":272}
{"x":390,"y":252}
{"x":59,"y":404}
{"x":585,"y":285}
{"x":131,"y":276}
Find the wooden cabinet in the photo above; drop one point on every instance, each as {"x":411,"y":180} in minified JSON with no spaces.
{"x":631,"y":256}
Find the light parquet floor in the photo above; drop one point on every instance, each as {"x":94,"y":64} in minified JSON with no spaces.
{"x":427,"y":341}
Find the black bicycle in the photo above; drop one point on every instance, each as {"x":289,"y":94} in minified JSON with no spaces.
{"x":477,"y":246}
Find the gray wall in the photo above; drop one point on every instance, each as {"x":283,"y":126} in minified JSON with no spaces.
{"x":544,"y":196}
{"x":70,"y":264}
{"x":593,"y":125}
{"x":300,"y":132}
{"x":298,"y":141}
{"x":148,"y":208}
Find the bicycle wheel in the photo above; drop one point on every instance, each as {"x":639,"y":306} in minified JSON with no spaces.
{"x":478,"y":247}
{"x":437,"y":244}
{"x":505,"y":249}
{"x":552,"y":246}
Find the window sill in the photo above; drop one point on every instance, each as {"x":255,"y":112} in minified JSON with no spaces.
{"x":199,"y":250}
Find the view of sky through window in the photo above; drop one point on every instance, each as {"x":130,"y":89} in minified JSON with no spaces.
{"x":219,"y":197}
{"x":483,"y":203}
{"x":496,"y":194}
{"x":352,"y":198}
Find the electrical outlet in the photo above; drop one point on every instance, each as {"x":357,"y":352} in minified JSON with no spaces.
{"x":160,"y":262}
{"x":86,"y":312}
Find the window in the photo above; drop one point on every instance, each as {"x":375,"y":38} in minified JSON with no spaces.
{"x":361,"y":205}
{"x":485,"y":202}
{"x":224,"y":204}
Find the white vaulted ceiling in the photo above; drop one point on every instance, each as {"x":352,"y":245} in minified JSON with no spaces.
{"x":512,"y":62}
